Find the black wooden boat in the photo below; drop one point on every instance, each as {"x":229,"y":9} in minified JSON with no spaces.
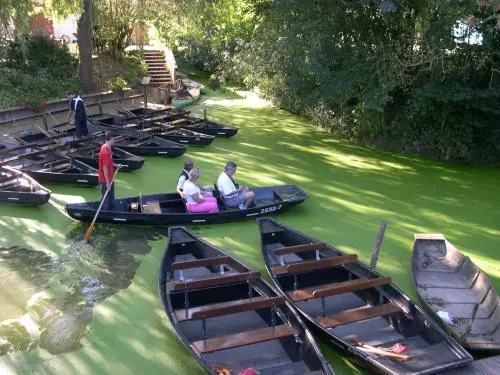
{"x":142,"y":144}
{"x":354,"y":308}
{"x":169,"y":209}
{"x":18,"y":188}
{"x":49,"y":166}
{"x":85,"y":149}
{"x":159,"y":128}
{"x":449,"y":283}
{"x":205,"y":126}
{"x":227,"y":317}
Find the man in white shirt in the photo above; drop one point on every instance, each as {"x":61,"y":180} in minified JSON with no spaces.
{"x":183,"y":177}
{"x":234,"y":195}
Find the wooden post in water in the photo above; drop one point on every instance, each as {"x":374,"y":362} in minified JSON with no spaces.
{"x":378,"y":244}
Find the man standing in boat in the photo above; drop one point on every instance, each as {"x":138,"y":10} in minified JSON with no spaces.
{"x":106,"y":170}
{"x":234,"y":195}
{"x":183,"y":177}
{"x":77,"y":106}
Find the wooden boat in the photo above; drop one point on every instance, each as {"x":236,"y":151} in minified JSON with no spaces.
{"x":142,"y":144}
{"x":181,"y":102}
{"x":205,"y":126}
{"x":158,"y":128}
{"x":48,"y":166}
{"x":354,"y":308}
{"x":169,"y":209}
{"x":228,"y":317}
{"x":448,"y":282}
{"x":85,"y":149}
{"x":19,"y":188}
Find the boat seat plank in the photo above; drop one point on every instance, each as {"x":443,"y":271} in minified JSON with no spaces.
{"x":212,"y":281}
{"x":337,"y":288}
{"x":242,"y":339}
{"x":312,"y":265}
{"x":300,"y":248}
{"x":233,"y":307}
{"x":215,"y":261}
{"x":151,"y":207}
{"x":358,"y":315}
{"x":187,"y":314}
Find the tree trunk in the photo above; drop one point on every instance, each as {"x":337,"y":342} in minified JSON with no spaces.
{"x":85,"y":47}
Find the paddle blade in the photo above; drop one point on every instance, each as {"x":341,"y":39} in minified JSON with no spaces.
{"x":88,"y":233}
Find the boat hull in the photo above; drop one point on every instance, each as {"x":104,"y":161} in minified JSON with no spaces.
{"x":448,"y":281}
{"x":287,"y":354}
{"x":407,"y":323}
{"x":173,"y":209}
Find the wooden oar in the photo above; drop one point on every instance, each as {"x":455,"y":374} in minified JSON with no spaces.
{"x":89,"y":231}
{"x":372,"y":349}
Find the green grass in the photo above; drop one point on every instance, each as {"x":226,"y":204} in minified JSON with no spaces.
{"x":352,"y":188}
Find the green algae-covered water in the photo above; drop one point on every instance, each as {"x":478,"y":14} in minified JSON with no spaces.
{"x":70,"y":307}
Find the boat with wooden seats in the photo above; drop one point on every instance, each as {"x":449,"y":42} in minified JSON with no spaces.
{"x":19,"y":188}
{"x":85,"y":149}
{"x":205,"y":126}
{"x":49,"y":166}
{"x":227,"y":317}
{"x":451,"y":285}
{"x":159,"y":128}
{"x":169,"y":209}
{"x":354,"y":308}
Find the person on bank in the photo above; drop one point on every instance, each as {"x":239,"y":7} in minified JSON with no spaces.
{"x":184,"y":176}
{"x":234,"y":195}
{"x":77,"y":107}
{"x":196,"y":201}
{"x":106,"y":170}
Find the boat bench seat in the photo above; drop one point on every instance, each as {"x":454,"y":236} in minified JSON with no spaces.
{"x":228,"y":308}
{"x":300,"y":248}
{"x":242,"y":339}
{"x":314,"y":265}
{"x":333,"y":289}
{"x":211,"y":281}
{"x":187,"y":264}
{"x":358,"y":315}
{"x":151,"y":207}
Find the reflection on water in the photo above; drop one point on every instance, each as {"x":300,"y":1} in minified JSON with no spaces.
{"x":48,"y":300}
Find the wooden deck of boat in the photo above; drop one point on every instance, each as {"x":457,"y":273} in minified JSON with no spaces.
{"x":486,"y":366}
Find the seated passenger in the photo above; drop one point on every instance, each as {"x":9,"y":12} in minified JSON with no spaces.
{"x":233,"y":195}
{"x":183,"y":177}
{"x":195,"y":201}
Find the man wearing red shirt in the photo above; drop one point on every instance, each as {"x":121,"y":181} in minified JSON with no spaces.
{"x":106,"y":170}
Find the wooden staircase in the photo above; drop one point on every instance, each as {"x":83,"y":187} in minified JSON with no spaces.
{"x":157,"y":69}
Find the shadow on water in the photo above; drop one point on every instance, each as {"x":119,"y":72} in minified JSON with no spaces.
{"x":48,"y":300}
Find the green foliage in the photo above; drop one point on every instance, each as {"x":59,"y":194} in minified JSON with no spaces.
{"x":117,"y":85}
{"x":134,"y":68}
{"x":36,"y":70}
{"x":26,"y":89}
{"x":404,"y":74}
{"x":38,"y":54}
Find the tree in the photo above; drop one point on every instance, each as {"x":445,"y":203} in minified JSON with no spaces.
{"x":14,"y":13}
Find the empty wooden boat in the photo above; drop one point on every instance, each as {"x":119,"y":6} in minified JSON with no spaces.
{"x":228,"y":317}
{"x":169,"y":209}
{"x":85,"y":149}
{"x":159,"y":128}
{"x":18,"y":188}
{"x":49,"y":166}
{"x":354,"y":308}
{"x":451,"y":285}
